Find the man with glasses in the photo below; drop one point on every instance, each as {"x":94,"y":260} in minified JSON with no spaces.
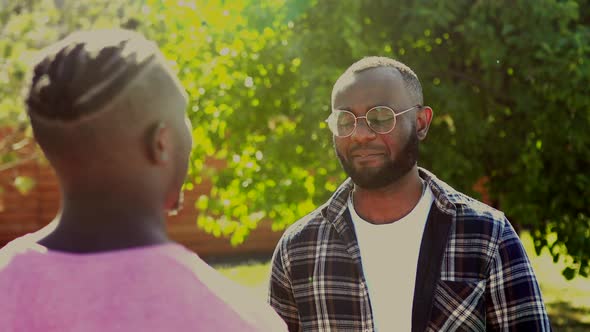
{"x":395,"y":248}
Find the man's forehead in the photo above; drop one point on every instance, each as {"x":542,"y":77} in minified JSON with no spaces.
{"x":383,"y":72}
{"x":372,"y":85}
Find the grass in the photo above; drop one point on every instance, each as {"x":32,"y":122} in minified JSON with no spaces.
{"x":252,"y":274}
{"x":568,"y":302}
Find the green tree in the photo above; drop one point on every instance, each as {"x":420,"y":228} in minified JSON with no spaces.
{"x":236,"y":61}
{"x":508,"y":82}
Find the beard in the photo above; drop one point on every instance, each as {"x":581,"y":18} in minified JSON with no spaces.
{"x":390,"y":172}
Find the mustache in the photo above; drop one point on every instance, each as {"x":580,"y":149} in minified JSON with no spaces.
{"x":364,"y":147}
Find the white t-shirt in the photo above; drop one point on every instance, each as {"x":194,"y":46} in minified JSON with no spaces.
{"x":155,"y":288}
{"x":389,"y":255}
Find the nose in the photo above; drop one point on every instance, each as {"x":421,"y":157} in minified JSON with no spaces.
{"x":362,"y":133}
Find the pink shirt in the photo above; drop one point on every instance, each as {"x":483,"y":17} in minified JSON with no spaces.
{"x":157,"y":288}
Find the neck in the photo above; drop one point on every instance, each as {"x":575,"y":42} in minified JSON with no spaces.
{"x":390,"y":203}
{"x":94,"y":223}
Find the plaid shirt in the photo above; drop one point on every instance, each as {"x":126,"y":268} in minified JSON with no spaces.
{"x":472,"y":275}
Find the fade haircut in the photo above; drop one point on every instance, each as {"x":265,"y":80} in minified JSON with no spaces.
{"x":82,"y":75}
{"x":411,"y":81}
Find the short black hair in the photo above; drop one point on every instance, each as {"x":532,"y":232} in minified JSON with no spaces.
{"x":411,"y":81}
{"x":81,"y":74}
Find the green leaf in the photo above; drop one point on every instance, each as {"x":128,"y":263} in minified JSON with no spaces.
{"x":24,"y":184}
{"x":569,"y":273}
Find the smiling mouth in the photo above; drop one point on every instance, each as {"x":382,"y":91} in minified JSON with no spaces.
{"x":366,"y":154}
{"x":367,"y":157}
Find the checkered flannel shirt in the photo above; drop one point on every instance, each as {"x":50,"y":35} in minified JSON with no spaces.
{"x":472,"y":275}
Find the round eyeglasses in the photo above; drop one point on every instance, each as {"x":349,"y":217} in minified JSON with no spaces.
{"x":381,"y":119}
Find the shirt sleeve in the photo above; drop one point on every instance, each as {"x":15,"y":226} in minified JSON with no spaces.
{"x":280,"y":295}
{"x":512,"y":292}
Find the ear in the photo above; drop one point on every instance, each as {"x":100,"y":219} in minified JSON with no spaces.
{"x":159,"y":144}
{"x":423,"y":119}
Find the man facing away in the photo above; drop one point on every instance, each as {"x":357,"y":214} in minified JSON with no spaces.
{"x":395,"y":248}
{"x":110,"y":117}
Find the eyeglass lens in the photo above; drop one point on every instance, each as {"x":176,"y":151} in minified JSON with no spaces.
{"x":380,"y":119}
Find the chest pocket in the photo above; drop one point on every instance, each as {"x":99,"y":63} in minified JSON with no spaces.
{"x":458,"y":306}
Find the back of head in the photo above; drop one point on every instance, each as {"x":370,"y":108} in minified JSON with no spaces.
{"x":93,"y":95}
{"x":80,"y":75}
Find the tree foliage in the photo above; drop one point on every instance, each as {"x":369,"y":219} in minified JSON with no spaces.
{"x":508,"y":81}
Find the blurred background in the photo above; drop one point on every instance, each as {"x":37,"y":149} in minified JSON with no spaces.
{"x":509,"y":82}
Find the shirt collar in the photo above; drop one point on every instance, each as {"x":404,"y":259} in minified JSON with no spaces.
{"x":445,"y":197}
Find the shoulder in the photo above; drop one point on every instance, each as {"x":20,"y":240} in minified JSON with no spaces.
{"x":308,"y":229}
{"x":19,"y":249}
{"x":25,"y":246}
{"x":469,"y":209}
{"x":470,"y":215}
{"x":476,"y":222}
{"x":477,"y":228}
{"x":7,"y":254}
{"x":304,"y":230}
{"x":247,"y":304}
{"x":299,"y":240}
